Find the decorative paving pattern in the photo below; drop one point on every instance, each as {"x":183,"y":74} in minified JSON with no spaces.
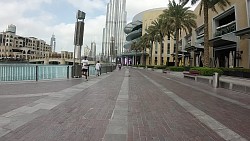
{"x":117,"y":129}
{"x":22,"y":115}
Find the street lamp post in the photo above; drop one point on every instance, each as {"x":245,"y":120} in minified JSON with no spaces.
{"x":78,"y":39}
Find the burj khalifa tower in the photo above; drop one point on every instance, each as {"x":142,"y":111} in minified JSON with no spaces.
{"x":113,"y":33}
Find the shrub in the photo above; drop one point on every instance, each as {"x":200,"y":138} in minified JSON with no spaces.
{"x":207,"y":71}
{"x":160,"y":67}
{"x":142,"y":66}
{"x":235,"y":69}
{"x":150,"y":66}
{"x":176,"y":68}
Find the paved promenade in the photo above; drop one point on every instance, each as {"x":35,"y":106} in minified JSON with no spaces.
{"x":126,"y":105}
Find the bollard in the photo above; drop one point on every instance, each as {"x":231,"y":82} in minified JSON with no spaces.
{"x":67,"y":72}
{"x":88,"y":71}
{"x":216,"y":80}
{"x":36,"y":73}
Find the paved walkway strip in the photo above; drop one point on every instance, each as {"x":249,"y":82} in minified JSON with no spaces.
{"x":117,"y":129}
{"x":215,"y":95}
{"x":26,"y":95}
{"x":213,"y":124}
{"x":20,"y":116}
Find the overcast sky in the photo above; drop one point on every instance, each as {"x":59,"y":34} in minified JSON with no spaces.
{"x":42,"y":18}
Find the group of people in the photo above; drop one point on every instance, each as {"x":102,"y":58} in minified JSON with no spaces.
{"x":85,"y":66}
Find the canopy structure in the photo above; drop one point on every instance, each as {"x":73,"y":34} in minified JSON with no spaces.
{"x":243,"y":33}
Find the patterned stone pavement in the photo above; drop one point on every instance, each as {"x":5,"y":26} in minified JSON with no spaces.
{"x":125,"y":105}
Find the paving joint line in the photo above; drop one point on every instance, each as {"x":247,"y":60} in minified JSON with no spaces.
{"x":223,"y":131}
{"x":15,"y":118}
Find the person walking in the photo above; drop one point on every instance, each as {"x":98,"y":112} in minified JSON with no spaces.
{"x":98,"y":68}
{"x":85,"y":67}
{"x":119,"y":66}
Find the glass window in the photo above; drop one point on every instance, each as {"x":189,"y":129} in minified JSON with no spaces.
{"x":168,"y":50}
{"x":168,"y":37}
{"x":162,"y":48}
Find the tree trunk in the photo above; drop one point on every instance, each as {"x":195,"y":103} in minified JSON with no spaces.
{"x":135,"y":57}
{"x":206,"y":36}
{"x":176,"y":47}
{"x":143,"y":62}
{"x":151,"y":52}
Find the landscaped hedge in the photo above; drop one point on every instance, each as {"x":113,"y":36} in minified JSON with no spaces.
{"x":179,"y":69}
{"x":160,"y":67}
{"x":150,"y":66}
{"x":207,"y":71}
{"x":235,"y":69}
{"x":183,"y":68}
{"x":238,"y":72}
{"x":138,"y":66}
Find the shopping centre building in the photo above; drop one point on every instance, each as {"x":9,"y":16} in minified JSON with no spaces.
{"x":229,"y":34}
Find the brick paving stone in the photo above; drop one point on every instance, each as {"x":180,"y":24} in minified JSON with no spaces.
{"x":151,"y":115}
{"x":158,"y":108}
{"x":83,"y":117}
{"x":8,"y":104}
{"x":231,"y":115}
{"x":235,"y":95}
{"x":37,"y":87}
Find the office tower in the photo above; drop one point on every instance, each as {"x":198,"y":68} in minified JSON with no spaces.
{"x":53,"y":43}
{"x":93,"y":50}
{"x":11,"y":28}
{"x":86,"y":51}
{"x":113,"y":34}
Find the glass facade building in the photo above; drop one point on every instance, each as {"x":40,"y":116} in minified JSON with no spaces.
{"x":113,"y":34}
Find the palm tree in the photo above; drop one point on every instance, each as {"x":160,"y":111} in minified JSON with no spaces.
{"x":205,"y":5}
{"x":151,"y":36}
{"x":136,"y":47}
{"x":159,"y":30}
{"x":144,"y":42}
{"x":179,"y":18}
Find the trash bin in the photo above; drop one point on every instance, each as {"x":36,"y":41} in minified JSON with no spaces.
{"x":76,"y":71}
{"x":216,"y":80}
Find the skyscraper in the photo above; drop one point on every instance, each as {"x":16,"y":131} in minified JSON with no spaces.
{"x":93,"y":50}
{"x":53,"y":43}
{"x":113,"y":34}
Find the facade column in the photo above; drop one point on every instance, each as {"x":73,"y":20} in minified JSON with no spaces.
{"x":46,"y":61}
{"x":62,"y":61}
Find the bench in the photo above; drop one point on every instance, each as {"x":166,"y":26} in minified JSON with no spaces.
{"x":191,"y":74}
{"x":165,"y":70}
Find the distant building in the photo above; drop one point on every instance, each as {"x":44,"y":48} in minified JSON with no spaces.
{"x":11,"y":28}
{"x":115,"y":22}
{"x":86,"y":51}
{"x":19,"y":47}
{"x":93,"y":51}
{"x":53,"y":43}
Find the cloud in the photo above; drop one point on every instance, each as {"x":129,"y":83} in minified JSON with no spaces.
{"x":33,"y":18}
{"x":135,"y":6}
{"x":93,"y":31}
{"x":90,"y":6}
